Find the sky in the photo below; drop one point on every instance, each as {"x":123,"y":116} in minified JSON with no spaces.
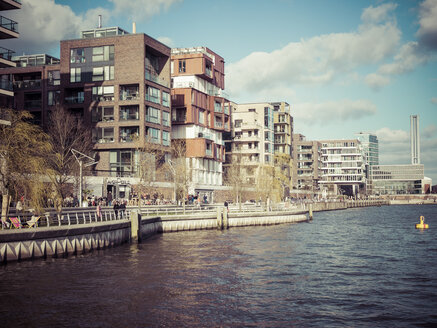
{"x":343,"y":66}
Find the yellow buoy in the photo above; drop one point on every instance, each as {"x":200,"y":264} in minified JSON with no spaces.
{"x":421,"y":225}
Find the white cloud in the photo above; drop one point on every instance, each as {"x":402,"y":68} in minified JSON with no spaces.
{"x":409,"y":57}
{"x":378,"y":14}
{"x":428,"y":23}
{"x":434,"y":100}
{"x":430,"y":131}
{"x":333,"y":111}
{"x":376,"y":81}
{"x":166,"y":40}
{"x":140,"y":9}
{"x":315,"y":61}
{"x":43,"y":23}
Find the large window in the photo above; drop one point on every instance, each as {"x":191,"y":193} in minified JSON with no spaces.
{"x":129,"y":113}
{"x":103,"y":53}
{"x":153,"y":95}
{"x":103,"y":135}
{"x":103,"y":93}
{"x":201,"y":116}
{"x":165,"y":138}
{"x":182,"y":66}
{"x":153,"y":135}
{"x":54,"y":77}
{"x":153,"y":115}
{"x":75,"y":74}
{"x":165,"y":99}
{"x":129,"y":133}
{"x":77,"y":56}
{"x":104,"y":73}
{"x":103,"y":114}
{"x":53,"y":97}
{"x":123,"y":162}
{"x":165,"y":118}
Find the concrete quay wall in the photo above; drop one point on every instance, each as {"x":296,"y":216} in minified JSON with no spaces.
{"x":61,"y":241}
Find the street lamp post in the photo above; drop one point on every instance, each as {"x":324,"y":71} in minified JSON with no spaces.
{"x":80,"y":158}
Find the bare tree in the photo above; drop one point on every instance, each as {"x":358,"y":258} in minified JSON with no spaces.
{"x":179,"y":168}
{"x":235,"y":177}
{"x":24,"y":148}
{"x":150,"y":166}
{"x":66,"y":132}
{"x":282,"y":175}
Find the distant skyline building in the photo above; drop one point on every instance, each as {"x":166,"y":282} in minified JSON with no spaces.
{"x":415,"y":139}
{"x":370,"y":147}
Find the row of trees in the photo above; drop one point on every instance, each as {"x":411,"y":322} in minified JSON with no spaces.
{"x":37,"y":165}
{"x":271,"y":182}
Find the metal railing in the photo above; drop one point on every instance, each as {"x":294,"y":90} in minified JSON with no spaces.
{"x":27,"y":84}
{"x":6,"y":85}
{"x":6,"y":53}
{"x":8,"y":24}
{"x":51,"y":219}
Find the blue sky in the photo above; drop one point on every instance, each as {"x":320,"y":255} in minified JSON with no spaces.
{"x":343,"y":66}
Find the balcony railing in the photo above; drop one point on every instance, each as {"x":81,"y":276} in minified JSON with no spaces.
{"x":6,"y":85}
{"x":74,"y":100}
{"x":6,"y":53}
{"x":28,"y":104}
{"x":8,"y":24}
{"x":151,"y":75}
{"x":208,"y":152}
{"x":127,"y":95}
{"x":27,"y":84}
{"x":218,"y":125}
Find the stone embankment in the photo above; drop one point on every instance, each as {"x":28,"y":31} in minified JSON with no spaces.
{"x":65,"y":240}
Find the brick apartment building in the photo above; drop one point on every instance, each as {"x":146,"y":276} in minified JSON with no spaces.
{"x":119,"y":83}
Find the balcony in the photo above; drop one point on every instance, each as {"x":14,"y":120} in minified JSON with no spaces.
{"x":151,"y":75}
{"x":74,"y":100}
{"x":6,"y":85}
{"x":129,"y":93}
{"x":27,"y":84}
{"x":8,"y":28}
{"x":6,"y":58}
{"x":32,"y":104}
{"x":218,"y":125}
{"x":10,"y":4}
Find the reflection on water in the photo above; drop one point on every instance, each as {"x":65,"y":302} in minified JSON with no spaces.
{"x":358,"y":267}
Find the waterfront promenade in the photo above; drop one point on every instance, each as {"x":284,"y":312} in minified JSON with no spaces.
{"x":81,"y":230}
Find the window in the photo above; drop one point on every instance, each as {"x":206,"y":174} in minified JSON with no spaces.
{"x":153,"y":115}
{"x":252,"y":110}
{"x":77,"y":56}
{"x":103,"y":114}
{"x":165,"y":118}
{"x":165,"y":99}
{"x":104,"y":53}
{"x":103,"y":93}
{"x":104,"y":73}
{"x":129,"y":113}
{"x":201,"y":116}
{"x":217,"y":107}
{"x":75,"y":74}
{"x":266,"y":135}
{"x":53,"y":97}
{"x":129,"y":134}
{"x":129,"y":92}
{"x":153,"y":135}
{"x":238,"y":123}
{"x":103,"y":135}
{"x":153,"y":95}
{"x":54,"y":77}
{"x":181,"y":66}
{"x":165,"y":138}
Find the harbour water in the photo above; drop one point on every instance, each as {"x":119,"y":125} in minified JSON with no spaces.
{"x":362,"y":267}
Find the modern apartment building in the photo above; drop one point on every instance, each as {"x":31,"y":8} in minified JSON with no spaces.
{"x":342,"y":167}
{"x":369,"y":147}
{"x":200,"y":114}
{"x":306,"y":163}
{"x":8,"y":30}
{"x":36,"y":82}
{"x":283,"y":138}
{"x":118,"y":83}
{"x":395,"y":179}
{"x":252,"y":139}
